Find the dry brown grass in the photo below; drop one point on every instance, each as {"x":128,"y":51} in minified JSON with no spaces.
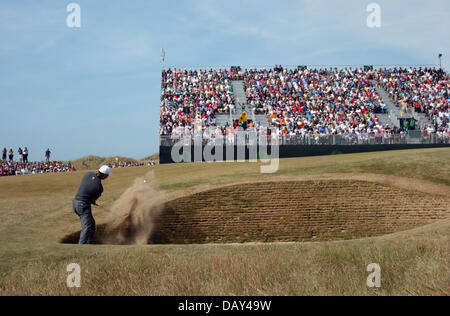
{"x":410,"y":266}
{"x":154,"y":158}
{"x":94,"y":162}
{"x":35,"y":213}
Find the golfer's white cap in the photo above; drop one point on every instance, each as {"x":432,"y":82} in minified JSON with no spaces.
{"x":105,"y":170}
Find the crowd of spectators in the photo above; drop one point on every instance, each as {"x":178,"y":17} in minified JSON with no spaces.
{"x":14,"y":168}
{"x":192,"y":98}
{"x":296,"y":101}
{"x":304,"y":101}
{"x":126,"y":164}
{"x":10,"y":167}
{"x":312,"y":101}
{"x":421,"y":90}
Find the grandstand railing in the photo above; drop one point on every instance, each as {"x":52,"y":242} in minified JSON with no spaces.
{"x":309,"y":66}
{"x":306,"y":140}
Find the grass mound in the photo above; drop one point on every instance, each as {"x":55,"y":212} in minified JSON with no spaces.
{"x":94,"y":162}
{"x":154,"y":158}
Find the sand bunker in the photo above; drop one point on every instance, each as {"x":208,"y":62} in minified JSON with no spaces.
{"x":315,"y":210}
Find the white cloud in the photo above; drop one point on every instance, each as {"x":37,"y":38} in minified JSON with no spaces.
{"x":319,"y":28}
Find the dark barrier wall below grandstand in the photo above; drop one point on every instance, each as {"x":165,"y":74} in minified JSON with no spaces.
{"x":294,"y":151}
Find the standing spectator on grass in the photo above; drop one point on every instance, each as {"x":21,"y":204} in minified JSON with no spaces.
{"x":11,"y":155}
{"x":4,"y":153}
{"x":25,"y":155}
{"x":47,"y":155}
{"x":20,"y":152}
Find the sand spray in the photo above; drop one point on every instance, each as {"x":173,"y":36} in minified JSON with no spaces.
{"x":132,"y":217}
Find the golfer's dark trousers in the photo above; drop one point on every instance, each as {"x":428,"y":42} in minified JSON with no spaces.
{"x":84,"y":211}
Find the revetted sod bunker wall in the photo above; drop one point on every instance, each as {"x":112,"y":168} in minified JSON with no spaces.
{"x":295,"y":211}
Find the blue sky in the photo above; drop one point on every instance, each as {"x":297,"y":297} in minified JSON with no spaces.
{"x":95,"y":89}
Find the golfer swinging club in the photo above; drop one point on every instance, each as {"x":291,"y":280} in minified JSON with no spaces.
{"x":89,"y":192}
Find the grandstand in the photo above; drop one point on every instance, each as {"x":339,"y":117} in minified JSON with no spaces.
{"x":307,"y":105}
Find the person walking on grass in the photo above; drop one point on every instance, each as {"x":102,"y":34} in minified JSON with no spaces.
{"x":88,"y":193}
